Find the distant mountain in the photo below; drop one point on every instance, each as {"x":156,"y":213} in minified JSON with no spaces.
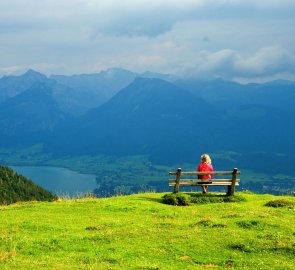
{"x":68,"y":99}
{"x":78,"y":93}
{"x":150,"y":116}
{"x":96,"y":89}
{"x":16,"y":188}
{"x":116,"y":112}
{"x":153,"y":75}
{"x":258,"y":117}
{"x":225,"y":94}
{"x":28,"y":117}
{"x":11,"y":86}
{"x":93,"y":90}
{"x":171,"y":124}
{"x":73,"y":94}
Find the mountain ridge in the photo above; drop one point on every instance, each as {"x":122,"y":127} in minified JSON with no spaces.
{"x":170,"y":121}
{"x":147,"y":117}
{"x":26,"y":117}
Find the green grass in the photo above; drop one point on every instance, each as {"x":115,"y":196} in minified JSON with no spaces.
{"x":140,"y":232}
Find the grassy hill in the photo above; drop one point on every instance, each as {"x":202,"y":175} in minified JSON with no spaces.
{"x":140,"y":232}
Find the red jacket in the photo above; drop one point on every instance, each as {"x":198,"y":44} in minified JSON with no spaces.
{"x":205,"y":168}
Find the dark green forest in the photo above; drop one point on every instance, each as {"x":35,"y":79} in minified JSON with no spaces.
{"x":15,"y":188}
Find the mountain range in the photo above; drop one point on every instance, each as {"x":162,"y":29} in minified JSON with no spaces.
{"x":150,"y":116}
{"x":169,"y":119}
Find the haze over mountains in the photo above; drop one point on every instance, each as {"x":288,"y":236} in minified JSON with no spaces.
{"x":150,"y":116}
{"x":118,"y":112}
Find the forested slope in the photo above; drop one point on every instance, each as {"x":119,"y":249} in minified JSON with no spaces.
{"x":15,"y":187}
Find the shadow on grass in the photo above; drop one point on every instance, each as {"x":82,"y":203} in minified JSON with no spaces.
{"x":200,"y":194}
{"x":188,"y":198}
{"x":215,"y":198}
{"x":157,"y":200}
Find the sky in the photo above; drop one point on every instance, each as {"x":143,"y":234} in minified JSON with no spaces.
{"x":202,"y":39}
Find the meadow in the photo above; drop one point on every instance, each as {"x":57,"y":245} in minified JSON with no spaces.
{"x":140,"y":232}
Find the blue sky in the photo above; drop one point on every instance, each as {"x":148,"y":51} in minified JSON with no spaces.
{"x":231,"y":39}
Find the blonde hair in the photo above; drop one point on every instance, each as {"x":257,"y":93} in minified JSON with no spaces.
{"x":205,"y":158}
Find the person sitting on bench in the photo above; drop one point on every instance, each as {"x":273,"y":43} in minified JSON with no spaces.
{"x":205,"y":166}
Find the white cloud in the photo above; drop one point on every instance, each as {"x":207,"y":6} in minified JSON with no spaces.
{"x":227,"y":38}
{"x":230,"y":64}
{"x":267,"y":61}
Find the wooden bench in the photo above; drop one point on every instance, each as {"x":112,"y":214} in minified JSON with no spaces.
{"x":230,"y":183}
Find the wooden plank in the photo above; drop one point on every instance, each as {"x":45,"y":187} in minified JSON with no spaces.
{"x":203,"y":184}
{"x":203,"y":173}
{"x":212,"y":180}
{"x":195,"y":183}
{"x":181,"y":182}
{"x":223,"y":184}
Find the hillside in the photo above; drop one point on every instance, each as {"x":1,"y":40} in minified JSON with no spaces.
{"x":139,"y":232}
{"x":15,"y":188}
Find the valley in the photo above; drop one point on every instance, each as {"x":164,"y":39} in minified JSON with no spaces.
{"x":130,"y":129}
{"x":132,"y":174}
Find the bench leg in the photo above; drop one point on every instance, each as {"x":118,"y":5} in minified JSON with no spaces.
{"x":228,"y":193}
{"x":178,"y":174}
{"x":231,"y":188}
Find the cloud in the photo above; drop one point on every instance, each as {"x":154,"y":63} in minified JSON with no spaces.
{"x":128,"y":17}
{"x":267,"y":61}
{"x":230,"y":64}
{"x":204,"y":38}
{"x":153,"y":18}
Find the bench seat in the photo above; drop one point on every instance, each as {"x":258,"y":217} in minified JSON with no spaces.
{"x":211,"y":182}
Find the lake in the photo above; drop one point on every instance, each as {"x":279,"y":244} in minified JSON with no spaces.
{"x":60,"y":181}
